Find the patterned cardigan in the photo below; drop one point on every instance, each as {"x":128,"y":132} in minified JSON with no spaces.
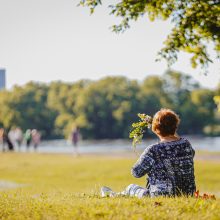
{"x":170,"y":168}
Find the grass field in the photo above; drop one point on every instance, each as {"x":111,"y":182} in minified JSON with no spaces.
{"x":66,"y":187}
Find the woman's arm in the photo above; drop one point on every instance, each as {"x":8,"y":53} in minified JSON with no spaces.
{"x":143,"y":165}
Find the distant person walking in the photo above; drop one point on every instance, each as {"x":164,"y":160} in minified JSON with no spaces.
{"x":7,"y":141}
{"x":18,"y":136}
{"x":75,"y":139}
{"x":1,"y":137}
{"x":11,"y":135}
{"x":27,"y":138}
{"x":36,"y":138}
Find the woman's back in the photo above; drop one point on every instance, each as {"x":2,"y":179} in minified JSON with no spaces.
{"x":170,"y":168}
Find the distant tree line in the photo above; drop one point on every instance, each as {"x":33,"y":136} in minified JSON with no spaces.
{"x":106,"y":108}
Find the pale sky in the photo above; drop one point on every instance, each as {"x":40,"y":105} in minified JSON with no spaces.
{"x":47,"y":40}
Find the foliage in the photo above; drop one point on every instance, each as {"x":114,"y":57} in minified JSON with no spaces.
{"x":139,"y":128}
{"x":195,"y":22}
{"x":107,"y":107}
{"x":62,"y":98}
{"x":63,"y":187}
{"x":217,"y":101}
{"x":212,"y":130}
{"x":217,"y":97}
{"x":26,"y":107}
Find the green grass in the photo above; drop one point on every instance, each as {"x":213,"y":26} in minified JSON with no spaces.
{"x":65,"y":187}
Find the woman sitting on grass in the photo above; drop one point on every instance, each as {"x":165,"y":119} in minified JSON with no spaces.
{"x":168,"y":164}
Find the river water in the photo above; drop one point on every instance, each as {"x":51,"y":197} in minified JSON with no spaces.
{"x":114,"y":146}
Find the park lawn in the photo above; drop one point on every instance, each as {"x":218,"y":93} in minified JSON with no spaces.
{"x":66,"y":187}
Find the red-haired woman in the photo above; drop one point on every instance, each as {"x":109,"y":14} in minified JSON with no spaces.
{"x":168,"y":164}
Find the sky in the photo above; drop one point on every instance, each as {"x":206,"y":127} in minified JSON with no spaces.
{"x":47,"y":40}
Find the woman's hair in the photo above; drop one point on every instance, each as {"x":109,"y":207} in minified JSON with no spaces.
{"x":165,"y":122}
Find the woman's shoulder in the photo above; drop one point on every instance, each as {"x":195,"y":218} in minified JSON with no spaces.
{"x":158,"y":145}
{"x":151,"y":148}
{"x":186,"y":142}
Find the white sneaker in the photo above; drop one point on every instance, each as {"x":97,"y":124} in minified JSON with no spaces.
{"x":107,"y":192}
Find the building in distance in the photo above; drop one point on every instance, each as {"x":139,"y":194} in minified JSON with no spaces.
{"x":2,"y":79}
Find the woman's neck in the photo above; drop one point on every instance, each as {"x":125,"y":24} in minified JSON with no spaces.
{"x":174,"y":137}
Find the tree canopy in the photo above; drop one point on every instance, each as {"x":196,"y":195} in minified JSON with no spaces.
{"x":195,"y":23}
{"x":106,"y":108}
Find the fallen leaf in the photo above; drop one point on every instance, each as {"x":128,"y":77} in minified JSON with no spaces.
{"x":157,"y":203}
